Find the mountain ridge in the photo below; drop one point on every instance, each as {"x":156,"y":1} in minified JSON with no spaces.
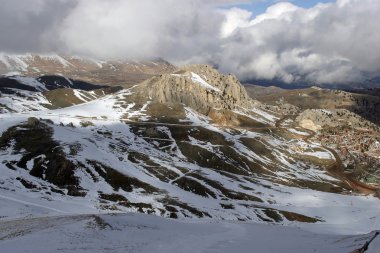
{"x":103,"y":72}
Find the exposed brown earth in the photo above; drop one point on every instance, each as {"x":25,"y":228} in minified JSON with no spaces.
{"x":256,"y":91}
{"x":367,"y":106}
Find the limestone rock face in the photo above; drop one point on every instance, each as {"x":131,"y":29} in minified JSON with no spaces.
{"x":200,"y":87}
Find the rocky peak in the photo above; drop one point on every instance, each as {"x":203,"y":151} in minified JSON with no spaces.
{"x":200,"y":87}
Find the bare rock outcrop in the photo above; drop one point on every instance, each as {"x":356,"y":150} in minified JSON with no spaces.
{"x":200,"y":87}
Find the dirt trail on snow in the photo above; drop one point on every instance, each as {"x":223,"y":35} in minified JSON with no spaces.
{"x":337,"y":168}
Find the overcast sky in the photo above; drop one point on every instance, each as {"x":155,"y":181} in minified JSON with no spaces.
{"x":317,"y":41}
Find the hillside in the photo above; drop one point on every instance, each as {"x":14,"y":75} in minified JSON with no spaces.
{"x":364,"y":105}
{"x":256,"y":91}
{"x":23,"y":94}
{"x":186,"y":145}
{"x":347,"y":122}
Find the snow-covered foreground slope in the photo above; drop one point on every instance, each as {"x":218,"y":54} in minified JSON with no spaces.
{"x":143,"y":233}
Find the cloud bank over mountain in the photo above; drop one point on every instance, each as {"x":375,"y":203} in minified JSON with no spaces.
{"x":328,"y":43}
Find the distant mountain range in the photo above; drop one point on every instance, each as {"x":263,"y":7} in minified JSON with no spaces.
{"x":373,"y":82}
{"x":104,"y":72}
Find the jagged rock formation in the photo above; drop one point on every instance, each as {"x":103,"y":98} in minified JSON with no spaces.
{"x":200,"y":87}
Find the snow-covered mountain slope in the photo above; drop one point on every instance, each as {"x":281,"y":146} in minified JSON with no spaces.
{"x":95,"y":151}
{"x":131,"y":151}
{"x":44,"y":83}
{"x":22,"y":94}
{"x":105,"y":72}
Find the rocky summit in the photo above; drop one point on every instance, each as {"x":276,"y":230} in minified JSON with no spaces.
{"x":200,"y":87}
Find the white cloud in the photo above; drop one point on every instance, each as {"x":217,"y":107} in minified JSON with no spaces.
{"x":176,"y":30}
{"x":280,"y":11}
{"x":234,"y":18}
{"x":335,"y":42}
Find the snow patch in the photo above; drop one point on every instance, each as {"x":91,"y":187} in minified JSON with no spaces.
{"x":30,"y":81}
{"x":199,"y":80}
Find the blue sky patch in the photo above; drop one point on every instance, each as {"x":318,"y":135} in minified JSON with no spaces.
{"x":259,"y":7}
